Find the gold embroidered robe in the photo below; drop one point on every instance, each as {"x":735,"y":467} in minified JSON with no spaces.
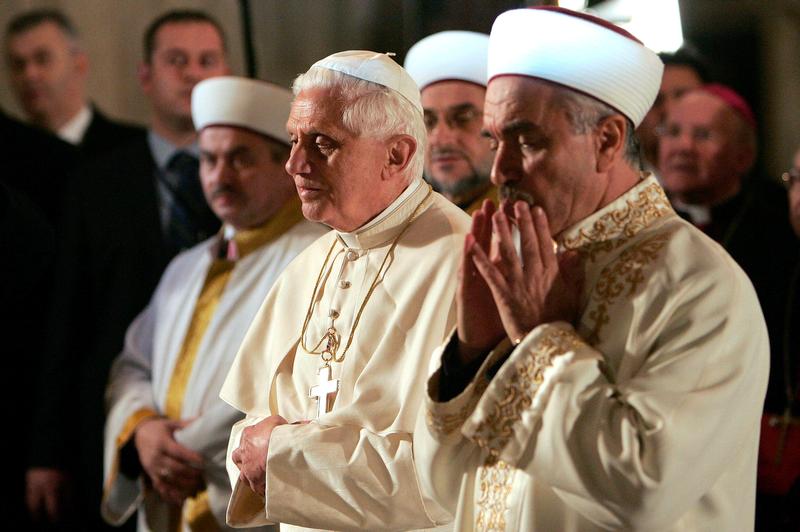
{"x":644,"y":417}
{"x":352,"y":469}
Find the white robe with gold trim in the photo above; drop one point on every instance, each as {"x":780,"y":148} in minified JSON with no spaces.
{"x":645,"y":417}
{"x":140,"y":377}
{"x":353,"y":469}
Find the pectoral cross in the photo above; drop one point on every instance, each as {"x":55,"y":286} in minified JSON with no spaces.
{"x":323,"y":389}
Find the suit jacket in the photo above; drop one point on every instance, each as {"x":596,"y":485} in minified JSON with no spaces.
{"x":35,"y":167}
{"x":104,"y":134}
{"x":35,"y":163}
{"x":110,"y":257}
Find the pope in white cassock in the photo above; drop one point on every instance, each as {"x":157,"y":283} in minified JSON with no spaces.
{"x":331,"y":373}
{"x":167,"y":430}
{"x":613,"y":381}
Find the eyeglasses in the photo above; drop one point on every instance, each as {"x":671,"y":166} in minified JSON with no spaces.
{"x":790,"y":177}
{"x":674,"y":131}
{"x":457,"y":118}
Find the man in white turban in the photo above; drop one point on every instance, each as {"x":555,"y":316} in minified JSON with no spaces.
{"x":612,"y":379}
{"x":166,"y":432}
{"x":450,"y":69}
{"x":332,"y":371}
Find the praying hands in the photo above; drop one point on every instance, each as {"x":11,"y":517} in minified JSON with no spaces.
{"x":502,"y":294}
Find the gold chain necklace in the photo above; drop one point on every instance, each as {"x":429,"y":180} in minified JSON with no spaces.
{"x":332,"y":336}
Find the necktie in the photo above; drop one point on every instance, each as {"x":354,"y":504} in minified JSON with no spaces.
{"x":190,"y":218}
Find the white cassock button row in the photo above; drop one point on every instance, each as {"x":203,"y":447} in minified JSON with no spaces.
{"x":351,"y":255}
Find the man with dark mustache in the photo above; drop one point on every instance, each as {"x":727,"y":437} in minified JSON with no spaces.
{"x":167,"y":429}
{"x":610,"y":374}
{"x":450,"y":69}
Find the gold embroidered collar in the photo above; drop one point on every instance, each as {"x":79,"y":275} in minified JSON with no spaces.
{"x":624,"y":217}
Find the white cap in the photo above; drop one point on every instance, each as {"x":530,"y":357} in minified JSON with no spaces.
{"x":579,"y":51}
{"x":374,"y":67}
{"x":242,"y":102}
{"x":449,"y":55}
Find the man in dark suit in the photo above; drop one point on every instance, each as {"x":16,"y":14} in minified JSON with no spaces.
{"x":126,"y":215}
{"x":48,"y":70}
{"x":34,"y":164}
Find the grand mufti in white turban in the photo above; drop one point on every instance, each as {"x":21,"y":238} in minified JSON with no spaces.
{"x":331,"y":373}
{"x":450,"y":69}
{"x":167,"y":430}
{"x":615,"y":383}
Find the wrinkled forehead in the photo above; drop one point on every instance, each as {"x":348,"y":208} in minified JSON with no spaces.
{"x":44,"y":34}
{"x":316,"y":107}
{"x":513,"y":96}
{"x":699,"y":108}
{"x":216,"y":135}
{"x":444,"y":94}
{"x":190,"y":35}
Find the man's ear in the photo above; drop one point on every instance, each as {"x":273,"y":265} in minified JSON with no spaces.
{"x":400,"y":151}
{"x":144,"y":72}
{"x":610,"y":141}
{"x":81,"y":63}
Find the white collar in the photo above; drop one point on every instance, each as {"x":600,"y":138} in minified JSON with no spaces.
{"x":382,"y":228}
{"x":74,"y":130}
{"x":698,"y":214}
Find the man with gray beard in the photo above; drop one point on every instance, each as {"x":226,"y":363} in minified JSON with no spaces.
{"x":450,"y":69}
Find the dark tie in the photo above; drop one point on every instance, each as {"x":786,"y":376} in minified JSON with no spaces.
{"x":190,"y":218}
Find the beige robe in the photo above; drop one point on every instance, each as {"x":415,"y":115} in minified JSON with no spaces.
{"x":645,"y":417}
{"x":147,"y":379}
{"x":352,"y":469}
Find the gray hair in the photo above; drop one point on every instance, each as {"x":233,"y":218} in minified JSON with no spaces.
{"x":371,"y":110}
{"x":585,"y":112}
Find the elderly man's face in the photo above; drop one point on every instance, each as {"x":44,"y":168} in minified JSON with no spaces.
{"x":700,"y":156}
{"x":538,"y":152}
{"x":185,"y":53}
{"x":794,"y":198}
{"x":458,"y":158}
{"x":46,"y":70}
{"x":243,"y":182}
{"x":338,"y":174}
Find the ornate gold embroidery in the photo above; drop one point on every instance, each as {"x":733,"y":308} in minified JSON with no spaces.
{"x":497,"y":428}
{"x":637,"y":213}
{"x":444,"y":424}
{"x":496,"y":479}
{"x":621,"y":278}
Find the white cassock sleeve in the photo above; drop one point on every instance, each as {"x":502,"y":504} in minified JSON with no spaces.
{"x":130,"y":400}
{"x":345,"y":476}
{"x":631,"y":452}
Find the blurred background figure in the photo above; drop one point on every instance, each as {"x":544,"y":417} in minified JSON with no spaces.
{"x":126,"y":215}
{"x":47,"y":69}
{"x":707,"y":151}
{"x":167,"y":428}
{"x":684,"y":70}
{"x":34,"y":165}
{"x":450,"y":70}
{"x":779,"y":458}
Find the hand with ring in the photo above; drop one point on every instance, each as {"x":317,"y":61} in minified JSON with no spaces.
{"x":175,"y":471}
